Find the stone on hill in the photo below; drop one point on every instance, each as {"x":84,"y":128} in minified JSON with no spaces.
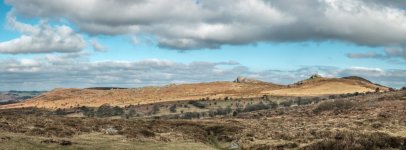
{"x":315,"y":76}
{"x":245,"y":80}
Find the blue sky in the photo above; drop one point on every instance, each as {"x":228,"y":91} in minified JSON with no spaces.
{"x":279,"y":43}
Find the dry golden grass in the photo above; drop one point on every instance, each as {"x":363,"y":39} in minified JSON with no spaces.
{"x":327,"y":86}
{"x":366,"y":121}
{"x":66,"y":98}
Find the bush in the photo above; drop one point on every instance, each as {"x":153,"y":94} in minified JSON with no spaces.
{"x":155,"y":109}
{"x":191,"y":115}
{"x":273,"y":105}
{"x":117,"y":111}
{"x":224,"y":111}
{"x":333,"y":105}
{"x":130,"y":113}
{"x":301,"y":101}
{"x":60,"y":112}
{"x":316,"y":100}
{"x":106,"y":110}
{"x":172,"y":109}
{"x":345,"y":140}
{"x":255,"y":107}
{"x":89,"y":113}
{"x":332,"y":97}
{"x":198,"y":104}
{"x":287,"y":103}
{"x":212,"y":113}
{"x":147,"y":133}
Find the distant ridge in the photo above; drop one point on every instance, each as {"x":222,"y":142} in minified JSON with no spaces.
{"x":357,"y":78}
{"x":105,"y":88}
{"x":318,"y":85}
{"x":240,"y":87}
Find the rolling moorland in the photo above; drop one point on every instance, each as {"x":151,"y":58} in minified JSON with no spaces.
{"x":317,"y":113}
{"x":240,"y":88}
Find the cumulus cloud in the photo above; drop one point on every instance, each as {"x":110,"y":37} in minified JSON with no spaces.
{"x":195,"y":24}
{"x":75,"y":70}
{"x":42,"y":38}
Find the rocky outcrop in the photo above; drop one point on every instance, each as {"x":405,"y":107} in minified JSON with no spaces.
{"x":246,"y":80}
{"x":315,"y":76}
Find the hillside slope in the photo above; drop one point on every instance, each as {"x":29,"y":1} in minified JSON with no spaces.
{"x":242,"y":87}
{"x":317,"y":85}
{"x":65,"y":98}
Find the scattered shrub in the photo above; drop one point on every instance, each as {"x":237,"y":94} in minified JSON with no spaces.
{"x":147,"y":133}
{"x":333,"y":105}
{"x":131,"y":112}
{"x":332,"y":96}
{"x":60,"y":112}
{"x":106,"y":110}
{"x":273,"y":105}
{"x":198,"y":104}
{"x":172,"y":109}
{"x":345,"y":140}
{"x":191,"y":115}
{"x":255,"y":107}
{"x":155,"y":109}
{"x":287,"y":103}
{"x":224,"y":111}
{"x":301,"y":101}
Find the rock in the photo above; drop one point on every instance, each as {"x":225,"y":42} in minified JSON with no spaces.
{"x":245,"y":80}
{"x":111,"y":131}
{"x":315,"y":76}
{"x":233,"y":145}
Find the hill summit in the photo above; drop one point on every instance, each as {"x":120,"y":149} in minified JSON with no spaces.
{"x":246,"y":80}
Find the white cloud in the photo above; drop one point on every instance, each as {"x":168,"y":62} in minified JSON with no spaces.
{"x":69,"y":70}
{"x":42,"y":38}
{"x":389,"y":53}
{"x":193,"y":24}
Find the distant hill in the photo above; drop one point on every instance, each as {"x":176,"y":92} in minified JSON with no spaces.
{"x":317,"y":85}
{"x":241,"y":87}
{"x":17,"y":96}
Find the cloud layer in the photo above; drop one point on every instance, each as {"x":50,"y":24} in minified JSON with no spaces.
{"x":197,"y":24}
{"x":42,"y":38}
{"x":389,"y":53}
{"x":75,"y":70}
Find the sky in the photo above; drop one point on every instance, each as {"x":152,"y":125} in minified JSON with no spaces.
{"x":133,"y":43}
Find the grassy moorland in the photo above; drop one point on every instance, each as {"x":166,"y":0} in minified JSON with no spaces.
{"x":350,"y":121}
